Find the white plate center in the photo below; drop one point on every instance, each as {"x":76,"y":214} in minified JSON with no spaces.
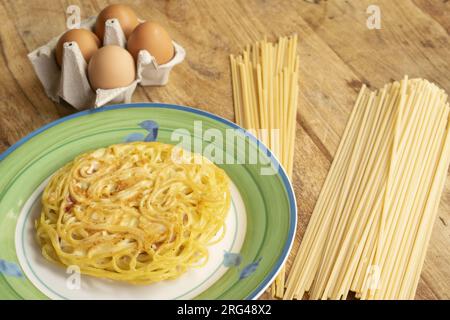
{"x":58,"y":283}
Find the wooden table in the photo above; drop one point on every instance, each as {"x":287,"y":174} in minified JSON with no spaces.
{"x":337,"y":52}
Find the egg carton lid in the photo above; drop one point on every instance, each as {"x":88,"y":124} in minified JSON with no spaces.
{"x":70,"y":82}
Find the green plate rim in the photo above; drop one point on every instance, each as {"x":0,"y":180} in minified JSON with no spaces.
{"x":286,"y":182}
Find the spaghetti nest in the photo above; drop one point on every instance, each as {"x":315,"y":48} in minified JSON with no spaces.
{"x":134,"y":212}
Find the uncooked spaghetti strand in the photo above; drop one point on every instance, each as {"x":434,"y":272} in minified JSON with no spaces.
{"x":417,"y":256}
{"x":294,"y":285}
{"x":265,"y":93}
{"x":400,"y":182}
{"x":359,"y":213}
{"x":411,"y":220}
{"x":297,"y":283}
{"x":382,"y":212}
{"x":378,"y":158}
{"x":361,"y":172}
{"x":341,"y":216}
{"x":426,"y":132}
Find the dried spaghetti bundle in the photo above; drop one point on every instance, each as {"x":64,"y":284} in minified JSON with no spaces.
{"x":372,"y":222}
{"x":265,"y":93}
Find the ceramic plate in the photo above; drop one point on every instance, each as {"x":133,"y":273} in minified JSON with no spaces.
{"x":260,"y":224}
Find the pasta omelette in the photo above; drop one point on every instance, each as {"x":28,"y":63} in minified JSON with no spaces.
{"x":134,"y":212}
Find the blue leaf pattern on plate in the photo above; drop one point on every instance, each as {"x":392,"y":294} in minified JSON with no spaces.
{"x":231,"y":259}
{"x":149,"y":125}
{"x":10,"y":269}
{"x":151,"y":137}
{"x":152,"y":132}
{"x":132,"y":137}
{"x":249,"y":269}
{"x":152,"y":128}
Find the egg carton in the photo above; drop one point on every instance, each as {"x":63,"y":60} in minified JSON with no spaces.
{"x":71,"y":83}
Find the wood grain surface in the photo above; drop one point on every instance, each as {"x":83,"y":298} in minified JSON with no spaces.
{"x":337,"y":52}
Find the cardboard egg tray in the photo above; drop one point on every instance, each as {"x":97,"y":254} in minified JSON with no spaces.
{"x":70,"y":82}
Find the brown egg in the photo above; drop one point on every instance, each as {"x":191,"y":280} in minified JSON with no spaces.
{"x":111,"y":67}
{"x":87,"y":42}
{"x":153,"y":38}
{"x":126,"y":16}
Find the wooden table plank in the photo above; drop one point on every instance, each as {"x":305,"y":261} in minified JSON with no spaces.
{"x":417,"y":46}
{"x":337,"y":53}
{"x":437,"y":10}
